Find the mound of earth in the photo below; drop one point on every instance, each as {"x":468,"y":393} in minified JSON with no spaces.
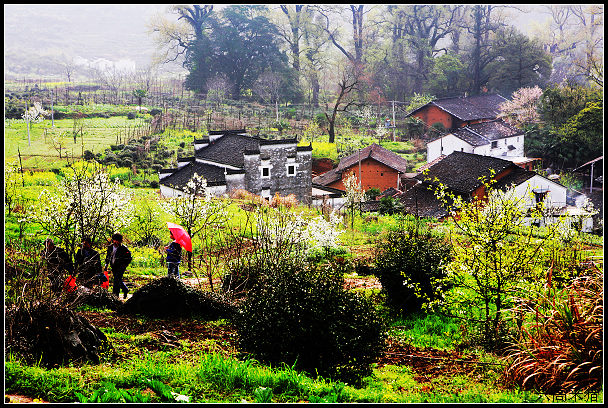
{"x":96,"y":297}
{"x":169,"y":297}
{"x":53,"y":335}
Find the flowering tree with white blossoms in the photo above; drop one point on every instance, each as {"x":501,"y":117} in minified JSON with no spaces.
{"x":522,"y":109}
{"x":201,"y":215}
{"x":84,"y":204}
{"x":34,"y":114}
{"x":354,"y":195}
{"x":281,"y":231}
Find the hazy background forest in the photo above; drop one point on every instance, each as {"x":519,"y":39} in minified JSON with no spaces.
{"x":440,"y":50}
{"x":360,"y":63}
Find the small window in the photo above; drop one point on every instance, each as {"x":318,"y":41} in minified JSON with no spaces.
{"x":462,"y":149}
{"x":381,"y":174}
{"x":540,"y":196}
{"x":265,"y":172}
{"x":494,"y":145}
{"x":291,"y":170}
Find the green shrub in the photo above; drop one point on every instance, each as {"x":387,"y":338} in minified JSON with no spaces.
{"x":409,"y":261}
{"x":372,"y":193}
{"x":301,"y":315}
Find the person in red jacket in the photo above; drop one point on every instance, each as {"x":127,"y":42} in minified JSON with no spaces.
{"x":118,"y":257}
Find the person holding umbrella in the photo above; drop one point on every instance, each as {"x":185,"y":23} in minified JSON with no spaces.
{"x":180,"y":239}
{"x":174,"y":257}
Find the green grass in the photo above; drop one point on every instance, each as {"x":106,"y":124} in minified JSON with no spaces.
{"x":217,"y":378}
{"x":41,"y":154}
{"x":429,"y":330}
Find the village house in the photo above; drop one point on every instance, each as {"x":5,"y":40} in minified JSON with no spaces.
{"x":461,"y":174}
{"x":472,"y":125}
{"x":493,"y":138}
{"x":374,"y":166}
{"x":231,"y":160}
{"x":458,"y":112}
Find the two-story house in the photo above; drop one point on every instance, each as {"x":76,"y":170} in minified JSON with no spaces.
{"x":472,"y":125}
{"x":231,"y":160}
{"x":494,"y":138}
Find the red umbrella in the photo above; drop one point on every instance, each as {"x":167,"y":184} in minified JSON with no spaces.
{"x":180,"y":235}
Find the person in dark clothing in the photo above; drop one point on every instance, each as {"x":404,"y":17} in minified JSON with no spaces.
{"x":59,"y":265}
{"x":174,"y":256}
{"x":88,"y":264}
{"x":118,"y":257}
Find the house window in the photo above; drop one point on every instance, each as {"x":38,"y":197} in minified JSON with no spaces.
{"x":540,"y":195}
{"x":265,"y":172}
{"x":291,"y":170}
{"x":494,"y":145}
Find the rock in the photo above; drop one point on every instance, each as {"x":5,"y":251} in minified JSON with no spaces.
{"x":169,"y":297}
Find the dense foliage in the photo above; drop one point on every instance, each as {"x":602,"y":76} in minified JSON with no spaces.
{"x":409,"y":263}
{"x":301,"y":315}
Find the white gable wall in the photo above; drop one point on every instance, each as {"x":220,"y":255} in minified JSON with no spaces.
{"x":450,"y":144}
{"x":556,"y":195}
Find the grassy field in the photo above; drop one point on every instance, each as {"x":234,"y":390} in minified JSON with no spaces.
{"x":41,"y":152}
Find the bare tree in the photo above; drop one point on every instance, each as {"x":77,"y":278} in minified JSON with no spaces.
{"x":218,"y":87}
{"x":69,"y":66}
{"x":348,"y":82}
{"x":357,"y":14}
{"x":268,"y":87}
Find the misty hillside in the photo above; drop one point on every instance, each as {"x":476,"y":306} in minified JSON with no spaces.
{"x":36,"y":37}
{"x":39,"y":38}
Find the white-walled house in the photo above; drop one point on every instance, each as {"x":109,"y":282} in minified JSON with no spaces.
{"x":231,"y":160}
{"x":492,"y":138}
{"x":461,"y":173}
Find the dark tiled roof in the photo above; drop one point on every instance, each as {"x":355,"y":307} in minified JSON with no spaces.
{"x":370,"y":206}
{"x":377,"y":153}
{"x":469,"y":107}
{"x":229,"y":149}
{"x":328,"y":177}
{"x":421,"y":202}
{"x":389,"y":192}
{"x":460,"y":172}
{"x":514,"y":178}
{"x":472,"y":138}
{"x":496,"y":129}
{"x":213,"y":174}
{"x":484,"y":133}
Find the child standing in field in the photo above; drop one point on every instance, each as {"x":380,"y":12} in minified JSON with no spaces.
{"x":174,"y":257}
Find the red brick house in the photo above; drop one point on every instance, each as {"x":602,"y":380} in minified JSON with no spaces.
{"x":458,"y":112}
{"x":376,"y":167}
